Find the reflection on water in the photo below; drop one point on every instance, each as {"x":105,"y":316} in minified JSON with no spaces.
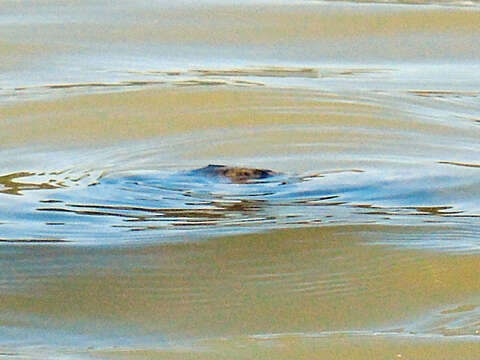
{"x":150,"y":205}
{"x":163,"y":280}
{"x":10,"y":185}
{"x":338,"y":159}
{"x":314,"y":285}
{"x":362,"y":242}
{"x":460,"y":164}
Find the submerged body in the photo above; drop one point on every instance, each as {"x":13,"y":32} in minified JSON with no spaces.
{"x":236,"y":175}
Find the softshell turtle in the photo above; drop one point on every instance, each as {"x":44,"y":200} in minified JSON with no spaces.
{"x":236,"y":175}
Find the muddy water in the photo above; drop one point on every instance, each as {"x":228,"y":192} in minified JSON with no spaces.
{"x":364,"y":244}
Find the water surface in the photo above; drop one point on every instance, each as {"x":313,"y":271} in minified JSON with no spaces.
{"x":364,"y":244}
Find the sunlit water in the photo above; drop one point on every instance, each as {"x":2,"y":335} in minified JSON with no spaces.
{"x":365,"y":242}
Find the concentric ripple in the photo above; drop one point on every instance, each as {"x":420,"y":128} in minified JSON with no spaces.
{"x":152,"y":205}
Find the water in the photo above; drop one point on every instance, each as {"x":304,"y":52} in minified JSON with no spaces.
{"x":364,"y":243}
{"x":90,"y":207}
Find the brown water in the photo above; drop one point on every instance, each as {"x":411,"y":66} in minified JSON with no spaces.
{"x":366,"y":243}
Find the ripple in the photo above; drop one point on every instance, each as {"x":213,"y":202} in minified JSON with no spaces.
{"x":263,"y":72}
{"x":340,"y":157}
{"x":444,"y":93}
{"x":454,"y":239}
{"x":75,"y":205}
{"x":9,"y":183}
{"x":454,"y":321}
{"x":32,"y":241}
{"x":253,"y":76}
{"x":452,"y":3}
{"x":460,"y":164}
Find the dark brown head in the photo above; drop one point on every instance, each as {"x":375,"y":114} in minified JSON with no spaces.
{"x":237,"y":175}
{"x":240,"y":175}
